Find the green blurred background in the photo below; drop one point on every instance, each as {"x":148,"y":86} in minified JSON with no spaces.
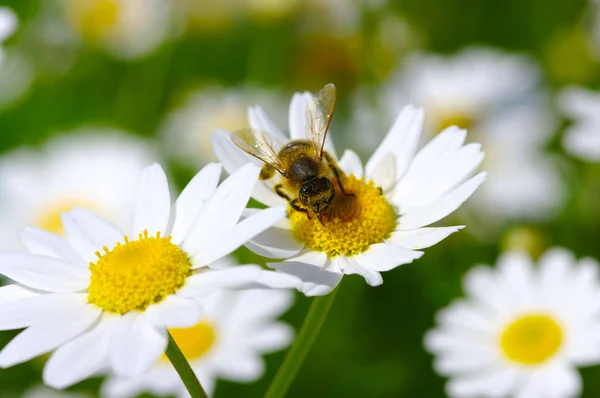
{"x":371,"y":345}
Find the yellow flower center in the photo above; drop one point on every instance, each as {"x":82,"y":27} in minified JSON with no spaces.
{"x":195,"y":341}
{"x":459,"y":119}
{"x":49,"y":217}
{"x":138,"y":273}
{"x":94,"y":18}
{"x":356,"y":222}
{"x":532,"y":339}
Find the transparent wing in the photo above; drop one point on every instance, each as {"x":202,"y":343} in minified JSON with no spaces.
{"x":259,"y":144}
{"x":318,"y":116}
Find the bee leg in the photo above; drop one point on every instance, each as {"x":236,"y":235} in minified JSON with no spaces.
{"x":338,"y":174}
{"x":295,"y":206}
{"x":279,"y":191}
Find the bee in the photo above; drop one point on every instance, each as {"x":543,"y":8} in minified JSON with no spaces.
{"x":309,"y":173}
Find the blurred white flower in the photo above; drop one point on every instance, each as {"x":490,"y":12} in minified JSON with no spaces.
{"x":93,"y":168}
{"x":104,"y":297}
{"x":126,"y":29}
{"x":8,"y":25}
{"x":45,"y":392}
{"x":187,"y":129}
{"x":522,"y":330}
{"x":236,"y":330}
{"x":497,"y":97}
{"x":582,"y":139}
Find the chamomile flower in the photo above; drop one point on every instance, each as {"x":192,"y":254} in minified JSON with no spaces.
{"x":522,"y":330}
{"x":8,"y":25}
{"x":582,"y":139}
{"x":499,"y":98}
{"x":237,"y":328}
{"x":397,"y":195}
{"x":91,"y":168}
{"x":103,"y":298}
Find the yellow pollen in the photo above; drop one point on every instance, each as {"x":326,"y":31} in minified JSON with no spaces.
{"x":356,"y":222}
{"x":195,"y":341}
{"x":94,"y":18}
{"x":138,"y":273}
{"x":532,"y":339}
{"x":49,"y":216}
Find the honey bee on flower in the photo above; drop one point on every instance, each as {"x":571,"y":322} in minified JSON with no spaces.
{"x":380,"y":222}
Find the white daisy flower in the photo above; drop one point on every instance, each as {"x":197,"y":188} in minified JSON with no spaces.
{"x":8,"y":26}
{"x":91,"y":168}
{"x":187,"y":129}
{"x":103,"y":298}
{"x":582,"y":139}
{"x":498,"y":97}
{"x":45,"y":392}
{"x":126,"y":29}
{"x":522,"y":330}
{"x":237,"y":328}
{"x":397,"y":194}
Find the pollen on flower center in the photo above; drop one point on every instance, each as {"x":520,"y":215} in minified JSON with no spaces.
{"x":137,"y":273}
{"x":532,"y":339}
{"x":356,"y":222}
{"x":195,"y":341}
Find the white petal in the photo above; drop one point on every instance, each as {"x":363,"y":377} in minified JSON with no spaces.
{"x":8,"y":23}
{"x":239,"y":234}
{"x":554,"y":380}
{"x":271,"y":338}
{"x":442,"y":207}
{"x":81,"y":358}
{"x":77,"y":238}
{"x":488,"y":383}
{"x":385,"y":174}
{"x":11,"y":293}
{"x":44,"y":337}
{"x":309,"y":267}
{"x":234,"y":158}
{"x":275,"y":242}
{"x":386,"y":256}
{"x":135,"y":345}
{"x":235,"y":277}
{"x":259,"y":119}
{"x":190,"y":202}
{"x":297,"y":115}
{"x":240,"y":365}
{"x":152,"y":202}
{"x":222,"y":211}
{"x":44,"y":273}
{"x":421,"y":238}
{"x":350,"y":163}
{"x":445,"y":142}
{"x":175,"y":312}
{"x":39,"y":241}
{"x":101,"y":232}
{"x":36,"y":309}
{"x":350,"y":265}
{"x":401,"y":141}
{"x":484,"y":285}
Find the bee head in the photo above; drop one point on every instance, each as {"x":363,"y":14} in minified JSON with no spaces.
{"x":317,"y":194}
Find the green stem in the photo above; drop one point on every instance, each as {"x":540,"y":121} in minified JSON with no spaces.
{"x":184,"y":369}
{"x":317,"y":314}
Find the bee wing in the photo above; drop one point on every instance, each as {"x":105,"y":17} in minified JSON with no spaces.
{"x":318,"y":117}
{"x":259,"y":144}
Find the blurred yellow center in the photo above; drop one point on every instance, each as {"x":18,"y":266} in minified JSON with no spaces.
{"x":532,"y":339}
{"x":356,"y":222}
{"x":93,"y":18}
{"x":461,"y":120}
{"x":49,"y":216}
{"x":137,"y":273}
{"x":194,"y":342}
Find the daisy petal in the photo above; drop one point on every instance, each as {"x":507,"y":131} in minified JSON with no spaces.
{"x":422,"y":238}
{"x":442,"y":207}
{"x":297,"y":115}
{"x":80,"y":358}
{"x":350,"y":163}
{"x":555,"y":380}
{"x":11,"y":293}
{"x":39,"y":241}
{"x":246,"y":367}
{"x":190,"y":202}
{"x":309,"y":267}
{"x":175,"y":312}
{"x":153,"y":201}
{"x":135,"y":345}
{"x":77,"y":238}
{"x":496,"y":383}
{"x":350,"y":266}
{"x":445,"y":142}
{"x":239,"y":235}
{"x":44,"y":273}
{"x":275,"y":242}
{"x":222,"y":211}
{"x":98,"y":230}
{"x":271,"y":338}
{"x":35,"y":309}
{"x":401,"y":141}
{"x":259,"y":119}
{"x":44,"y":337}
{"x":384,"y":257}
